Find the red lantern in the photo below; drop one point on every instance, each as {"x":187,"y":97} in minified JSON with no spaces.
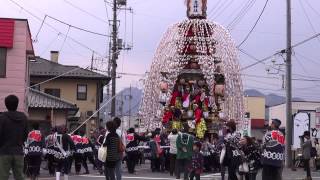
{"x":164,"y":86}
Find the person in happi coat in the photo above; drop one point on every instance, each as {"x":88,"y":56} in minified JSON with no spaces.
{"x":34,"y":147}
{"x":87,"y":152}
{"x":78,"y":153}
{"x":49,"y":145}
{"x":273,"y":152}
{"x":132,"y":149}
{"x":63,"y":146}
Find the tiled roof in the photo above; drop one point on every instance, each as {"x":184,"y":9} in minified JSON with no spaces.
{"x":45,"y":68}
{"x":37,"y":99}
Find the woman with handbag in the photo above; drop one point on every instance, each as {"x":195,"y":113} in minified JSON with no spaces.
{"x":252,"y":157}
{"x":112,"y":141}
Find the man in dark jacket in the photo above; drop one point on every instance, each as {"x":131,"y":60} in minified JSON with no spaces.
{"x":306,"y":146}
{"x":13,"y":134}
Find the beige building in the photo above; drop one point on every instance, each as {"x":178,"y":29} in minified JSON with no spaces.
{"x":49,"y":111}
{"x":279,"y":111}
{"x":255,"y":109}
{"x":82,"y":87}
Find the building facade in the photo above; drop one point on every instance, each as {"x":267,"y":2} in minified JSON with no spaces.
{"x":82,"y":87}
{"x":15,"y":51}
{"x":255,"y":107}
{"x":48,"y":111}
{"x":279,"y":111}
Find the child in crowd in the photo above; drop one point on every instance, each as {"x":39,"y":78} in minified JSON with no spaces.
{"x":197,"y":162}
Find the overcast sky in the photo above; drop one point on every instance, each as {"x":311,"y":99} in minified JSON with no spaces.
{"x":151,"y":19}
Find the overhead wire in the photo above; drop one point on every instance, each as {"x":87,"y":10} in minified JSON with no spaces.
{"x":255,"y":24}
{"x":220,"y":9}
{"x":259,"y":61}
{"x":227,"y":6}
{"x":241,"y":14}
{"x":52,"y":27}
{"x":65,"y":38}
{"x":308,"y":19}
{"x":36,"y":39}
{"x":307,"y":58}
{"x":76,"y":27}
{"x":50,"y":44}
{"x":86,"y":12}
{"x":214,"y":7}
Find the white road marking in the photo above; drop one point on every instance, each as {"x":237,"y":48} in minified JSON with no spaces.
{"x":150,"y":178}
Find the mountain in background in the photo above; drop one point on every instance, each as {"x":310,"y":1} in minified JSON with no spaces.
{"x":271,"y":99}
{"x":123,"y":97}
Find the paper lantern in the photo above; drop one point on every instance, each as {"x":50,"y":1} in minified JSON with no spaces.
{"x":164,"y":86}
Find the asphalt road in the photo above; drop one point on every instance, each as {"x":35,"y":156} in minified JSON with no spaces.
{"x":144,"y":173}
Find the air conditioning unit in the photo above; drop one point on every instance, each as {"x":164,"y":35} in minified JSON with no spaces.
{"x":122,"y":2}
{"x":90,"y":113}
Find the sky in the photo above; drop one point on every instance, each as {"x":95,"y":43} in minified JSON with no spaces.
{"x":151,"y":18}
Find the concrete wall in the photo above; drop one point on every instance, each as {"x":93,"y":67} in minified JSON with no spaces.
{"x":280,"y":111}
{"x":256,"y":107}
{"x":17,"y":78}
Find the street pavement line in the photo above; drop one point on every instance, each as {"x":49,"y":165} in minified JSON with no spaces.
{"x":150,"y":178}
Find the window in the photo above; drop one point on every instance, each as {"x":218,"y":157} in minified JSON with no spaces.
{"x":82,"y":92}
{"x":53,"y":92}
{"x":3,"y":60}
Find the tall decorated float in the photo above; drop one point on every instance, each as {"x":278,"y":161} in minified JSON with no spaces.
{"x":194,"y":78}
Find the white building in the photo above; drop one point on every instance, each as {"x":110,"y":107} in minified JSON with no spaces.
{"x":279,"y":111}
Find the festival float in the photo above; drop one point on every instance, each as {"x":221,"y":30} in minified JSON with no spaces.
{"x":194,"y":77}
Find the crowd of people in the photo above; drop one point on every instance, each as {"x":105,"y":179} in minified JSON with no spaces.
{"x":175,"y":151}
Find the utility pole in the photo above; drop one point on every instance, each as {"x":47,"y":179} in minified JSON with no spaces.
{"x":114,"y":57}
{"x":91,"y":67}
{"x":289,"y":123}
{"x":109,"y":70}
{"x":130,"y":98}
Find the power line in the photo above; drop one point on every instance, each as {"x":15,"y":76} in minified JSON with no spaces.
{"x":277,"y":53}
{"x":214,"y":7}
{"x":86,"y":12}
{"x":307,"y":58}
{"x":218,"y":13}
{"x":311,"y":7}
{"x":264,"y":83}
{"x":65,"y":38}
{"x":55,"y":29}
{"x":255,"y":24}
{"x":256,"y":59}
{"x":79,"y":28}
{"x":241,"y":14}
{"x":308,"y":18}
{"x":50,"y":44}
